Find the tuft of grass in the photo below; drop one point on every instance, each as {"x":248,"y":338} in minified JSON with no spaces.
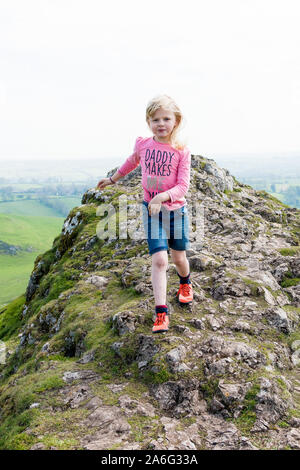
{"x":283,"y":424}
{"x":247,"y":417}
{"x":289,"y":280}
{"x":289,"y":251}
{"x":144,"y":427}
{"x":209,"y":389}
{"x":58,"y":283}
{"x":50,"y":383}
{"x":53,"y":441}
{"x":254,"y":286}
{"x":12,"y":436}
{"x":162,"y":376}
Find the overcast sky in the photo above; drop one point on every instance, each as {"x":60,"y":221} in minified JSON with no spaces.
{"x":76,"y":75}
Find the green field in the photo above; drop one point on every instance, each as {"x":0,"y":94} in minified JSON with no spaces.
{"x":29,"y":232}
{"x":27,"y":208}
{"x":32,"y":207}
{"x":14,"y":275}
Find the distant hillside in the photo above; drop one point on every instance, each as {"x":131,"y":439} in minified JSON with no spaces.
{"x":277,"y":174}
{"x":274,"y":166}
{"x":50,"y":170}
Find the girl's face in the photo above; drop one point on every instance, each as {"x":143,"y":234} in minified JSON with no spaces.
{"x":162,"y":124}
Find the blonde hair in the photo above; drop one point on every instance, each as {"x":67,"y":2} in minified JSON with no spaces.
{"x":167,"y":103}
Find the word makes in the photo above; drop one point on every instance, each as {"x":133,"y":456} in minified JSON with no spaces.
{"x":158,"y":163}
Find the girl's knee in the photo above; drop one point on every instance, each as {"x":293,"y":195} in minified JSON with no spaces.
{"x":160,"y":259}
{"x":178,"y":256}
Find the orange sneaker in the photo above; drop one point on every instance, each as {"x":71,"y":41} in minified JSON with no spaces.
{"x":185,"y":294}
{"x":161,"y":323}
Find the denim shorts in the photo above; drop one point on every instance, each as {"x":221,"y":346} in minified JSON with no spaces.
{"x":167,"y":229}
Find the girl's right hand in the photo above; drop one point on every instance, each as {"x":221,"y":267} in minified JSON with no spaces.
{"x":104,"y":182}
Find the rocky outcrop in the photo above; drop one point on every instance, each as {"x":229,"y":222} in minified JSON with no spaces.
{"x":225,"y":376}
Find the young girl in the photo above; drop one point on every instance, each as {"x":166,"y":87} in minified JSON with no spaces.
{"x":165,"y":165}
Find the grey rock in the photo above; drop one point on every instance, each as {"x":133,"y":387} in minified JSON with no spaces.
{"x":93,"y":403}
{"x":231,"y":394}
{"x":270,"y":405}
{"x":39,"y":271}
{"x":293,"y":439}
{"x":201,"y":262}
{"x":294,"y":422}
{"x":175,"y":357}
{"x":74,"y":397}
{"x":234,"y":349}
{"x":268,"y":296}
{"x":221,"y":367}
{"x":277,"y":317}
{"x":219,"y":434}
{"x":91,"y":242}
{"x":213,"y":323}
{"x":116,"y":347}
{"x":295,"y":345}
{"x":237,"y":259}
{"x":85,"y":375}
{"x":124,"y":322}
{"x":25,"y":310}
{"x":180,"y":398}
{"x":98,"y":281}
{"x":143,"y":288}
{"x":111,"y":428}
{"x":187,"y":439}
{"x":116,"y":388}
{"x":38,"y":446}
{"x":147,"y":348}
{"x":295,"y":267}
{"x":71,"y":224}
{"x":232,"y":287}
{"x":198,"y":323}
{"x":216,"y":406}
{"x":74,"y":344}
{"x":280,"y":271}
{"x":86,"y":358}
{"x":241,"y":325}
{"x":294,"y":292}
{"x":94,"y":195}
{"x":296,"y":358}
{"x":133,"y":407}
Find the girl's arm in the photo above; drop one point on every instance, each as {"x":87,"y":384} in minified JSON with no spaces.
{"x":107,"y":181}
{"x":130,"y":164}
{"x":155,"y":203}
{"x":179,"y":190}
{"x":183,"y":178}
{"x":161,"y":197}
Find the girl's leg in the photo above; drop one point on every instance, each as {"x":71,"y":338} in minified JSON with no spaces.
{"x":180,"y":260}
{"x":159,"y":277}
{"x":185,"y":292}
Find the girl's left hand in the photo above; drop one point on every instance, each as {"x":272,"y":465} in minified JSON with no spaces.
{"x":154,"y":205}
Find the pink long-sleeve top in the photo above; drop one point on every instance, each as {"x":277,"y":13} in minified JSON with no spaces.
{"x":164,"y":169}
